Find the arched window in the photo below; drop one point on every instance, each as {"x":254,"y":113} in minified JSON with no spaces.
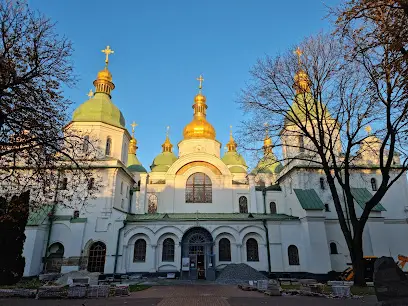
{"x":293,"y":255}
{"x":121,"y":188}
{"x":224,"y":252}
{"x":326,"y":207}
{"x":122,"y":204}
{"x":333,"y":248}
{"x":243,"y":205}
{"x":64,"y":183}
{"x":91,"y":183}
{"x":252,"y":250}
{"x":54,"y":259}
{"x":96,"y":260}
{"x":272,"y":207}
{"x":108,"y":147}
{"x":85,"y":144}
{"x":152,"y":205}
{"x":301,"y":143}
{"x":168,"y":250}
{"x":322,"y":185}
{"x":140,"y":251}
{"x":198,"y":188}
{"x":374,"y":184}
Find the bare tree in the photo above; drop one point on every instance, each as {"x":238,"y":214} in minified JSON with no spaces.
{"x":36,"y":152}
{"x":317,"y":107}
{"x":383,"y":22}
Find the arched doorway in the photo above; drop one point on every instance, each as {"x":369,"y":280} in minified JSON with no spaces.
{"x":55,"y":257}
{"x":197,"y":246}
{"x":96,"y":259}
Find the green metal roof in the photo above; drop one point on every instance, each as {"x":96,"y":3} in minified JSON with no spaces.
{"x":99,"y":109}
{"x":208,"y":216}
{"x":233,"y":158}
{"x":38,"y":215}
{"x":268,"y":164}
{"x":362,"y":196}
{"x":237,"y":169}
{"x":163,"y":161}
{"x":134,"y":165}
{"x":309,"y":199}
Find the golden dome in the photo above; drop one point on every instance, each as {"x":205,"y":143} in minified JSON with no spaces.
{"x":104,"y":74}
{"x":199,"y":98}
{"x":302,"y":82}
{"x":199,"y":127}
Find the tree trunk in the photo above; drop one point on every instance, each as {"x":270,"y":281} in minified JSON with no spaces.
{"x":357,"y":259}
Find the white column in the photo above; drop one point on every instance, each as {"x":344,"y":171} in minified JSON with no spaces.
{"x":239,"y":252}
{"x":154,"y":255}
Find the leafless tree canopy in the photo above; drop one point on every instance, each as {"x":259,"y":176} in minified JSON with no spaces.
{"x":34,"y":66}
{"x":318,"y":108}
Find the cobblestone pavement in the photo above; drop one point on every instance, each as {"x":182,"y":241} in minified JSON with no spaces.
{"x":195,"y":295}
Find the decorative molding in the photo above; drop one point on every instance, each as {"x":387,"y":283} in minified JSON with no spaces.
{"x":190,"y":165}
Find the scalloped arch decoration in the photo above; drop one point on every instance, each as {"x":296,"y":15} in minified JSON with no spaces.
{"x":188,"y":166}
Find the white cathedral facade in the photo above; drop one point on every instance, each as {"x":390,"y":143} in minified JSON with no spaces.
{"x":195,"y":212}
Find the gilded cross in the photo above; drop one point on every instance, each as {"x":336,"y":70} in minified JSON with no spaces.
{"x":231,"y":130}
{"x":200,"y":79}
{"x":167,"y":131}
{"x":90,"y":93}
{"x":133,"y":125}
{"x":107,"y":51}
{"x":298,"y":53}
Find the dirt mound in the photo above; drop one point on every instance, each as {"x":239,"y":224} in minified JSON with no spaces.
{"x":238,"y":274}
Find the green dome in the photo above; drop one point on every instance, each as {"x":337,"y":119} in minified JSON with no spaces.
{"x":99,"y":109}
{"x":301,"y":104}
{"x":233,"y":158}
{"x":134,"y":165}
{"x":268,"y":164}
{"x":163,"y":161}
{"x":237,"y":169}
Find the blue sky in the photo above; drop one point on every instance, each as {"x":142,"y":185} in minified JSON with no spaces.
{"x":161,"y":47}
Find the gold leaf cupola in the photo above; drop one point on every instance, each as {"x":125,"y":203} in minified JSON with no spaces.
{"x":302,"y":81}
{"x":267,"y":147}
{"x":133,"y":164}
{"x":99,"y":106}
{"x":199,"y":127}
{"x":231,"y":145}
{"x":167,"y":146}
{"x":103,"y":82}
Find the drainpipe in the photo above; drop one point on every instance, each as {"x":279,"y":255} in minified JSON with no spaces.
{"x":268,"y":251}
{"x":120,"y":231}
{"x":51,"y":217}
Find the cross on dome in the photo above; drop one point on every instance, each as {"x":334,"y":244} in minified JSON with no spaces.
{"x":90,"y":93}
{"x":298,"y":53}
{"x":107,"y":52}
{"x":133,"y":125}
{"x":200,"y":79}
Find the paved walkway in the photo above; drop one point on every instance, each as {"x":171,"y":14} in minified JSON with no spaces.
{"x":195,"y":295}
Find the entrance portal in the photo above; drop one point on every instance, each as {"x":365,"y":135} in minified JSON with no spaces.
{"x":197,"y":246}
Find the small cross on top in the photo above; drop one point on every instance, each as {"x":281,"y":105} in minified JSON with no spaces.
{"x":133,"y":125}
{"x":299,"y":53}
{"x":368,"y":129}
{"x":200,"y":79}
{"x":90,"y":93}
{"x":107,"y":52}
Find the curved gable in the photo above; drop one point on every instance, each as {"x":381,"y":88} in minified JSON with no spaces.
{"x":184,"y":169}
{"x":186,"y":162}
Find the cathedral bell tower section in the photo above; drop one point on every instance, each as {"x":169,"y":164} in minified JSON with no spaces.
{"x":199,"y":134}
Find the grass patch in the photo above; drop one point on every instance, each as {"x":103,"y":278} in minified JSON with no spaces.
{"x":33,"y":283}
{"x":136,"y":287}
{"x":362,"y":290}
